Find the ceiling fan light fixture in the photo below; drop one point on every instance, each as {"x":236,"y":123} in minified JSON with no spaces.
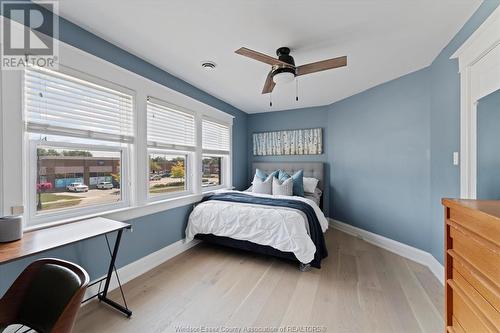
{"x":283,"y":77}
{"x":283,"y":68}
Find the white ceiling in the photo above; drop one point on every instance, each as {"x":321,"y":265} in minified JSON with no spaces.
{"x":383,"y":39}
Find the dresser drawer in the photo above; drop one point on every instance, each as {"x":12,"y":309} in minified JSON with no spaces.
{"x":456,"y":328}
{"x":483,"y":226}
{"x":472,"y":265}
{"x":474,"y":251}
{"x":466,"y":314}
{"x":488,"y":289}
{"x":487,"y":313}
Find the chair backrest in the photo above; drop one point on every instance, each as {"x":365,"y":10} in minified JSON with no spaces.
{"x":47,"y":295}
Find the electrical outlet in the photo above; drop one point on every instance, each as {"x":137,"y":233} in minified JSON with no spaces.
{"x":17,"y":210}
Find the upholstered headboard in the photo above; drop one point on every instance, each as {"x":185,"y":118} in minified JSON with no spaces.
{"x":311,"y":169}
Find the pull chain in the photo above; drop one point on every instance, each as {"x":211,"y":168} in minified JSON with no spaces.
{"x":271,"y":100}
{"x":296,"y":89}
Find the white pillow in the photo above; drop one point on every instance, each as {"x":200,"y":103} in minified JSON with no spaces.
{"x":263,"y":186}
{"x":283,"y":188}
{"x":310,"y":184}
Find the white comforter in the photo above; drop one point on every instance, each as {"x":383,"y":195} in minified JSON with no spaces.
{"x":282,"y":228}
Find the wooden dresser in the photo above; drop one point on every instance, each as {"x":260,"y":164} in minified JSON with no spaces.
{"x":472,"y":266}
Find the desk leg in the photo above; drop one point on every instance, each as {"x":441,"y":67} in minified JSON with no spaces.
{"x":104,"y":295}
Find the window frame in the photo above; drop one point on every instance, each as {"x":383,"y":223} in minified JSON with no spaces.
{"x":227,"y":157}
{"x":189,"y":152}
{"x":187,"y":175}
{"x":36,"y":218}
{"x":224,"y":170}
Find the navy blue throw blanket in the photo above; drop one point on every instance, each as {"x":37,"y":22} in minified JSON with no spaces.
{"x":315,"y":231}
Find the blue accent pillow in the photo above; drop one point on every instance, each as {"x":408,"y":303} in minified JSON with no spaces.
{"x":298,"y":181}
{"x":263,"y":175}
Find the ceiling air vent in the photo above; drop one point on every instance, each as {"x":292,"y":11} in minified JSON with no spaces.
{"x":208,"y":65}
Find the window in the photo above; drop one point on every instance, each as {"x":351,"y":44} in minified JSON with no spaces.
{"x":216,"y":148}
{"x":171,"y":145}
{"x":83,"y":125}
{"x":212,"y":171}
{"x":215,"y":137}
{"x":167,"y":173}
{"x":68,"y":177}
{"x":79,"y":134}
{"x":56,"y":103}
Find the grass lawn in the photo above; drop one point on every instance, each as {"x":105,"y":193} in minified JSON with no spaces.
{"x":49,"y":197}
{"x":166,"y":189}
{"x":55,"y":201}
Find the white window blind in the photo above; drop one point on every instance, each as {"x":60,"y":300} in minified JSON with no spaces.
{"x":60,"y":104}
{"x":169,"y":126}
{"x":215,"y":137}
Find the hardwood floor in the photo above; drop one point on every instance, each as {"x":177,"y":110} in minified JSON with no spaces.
{"x":360,"y":288}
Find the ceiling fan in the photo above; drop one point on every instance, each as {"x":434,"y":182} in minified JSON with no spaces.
{"x":284,"y":70}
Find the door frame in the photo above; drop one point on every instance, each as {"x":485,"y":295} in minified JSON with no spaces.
{"x":479,"y":69}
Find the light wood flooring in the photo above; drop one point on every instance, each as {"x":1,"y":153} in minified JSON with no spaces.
{"x":360,"y":288}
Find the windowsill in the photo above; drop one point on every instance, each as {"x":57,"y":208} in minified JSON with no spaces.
{"x":129,"y":213}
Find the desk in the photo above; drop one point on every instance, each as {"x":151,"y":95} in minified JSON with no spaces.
{"x":38,"y":241}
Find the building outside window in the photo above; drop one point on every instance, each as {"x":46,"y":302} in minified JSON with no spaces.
{"x":76,"y":178}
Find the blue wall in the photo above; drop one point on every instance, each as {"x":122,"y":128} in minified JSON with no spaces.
{"x":379,"y":156}
{"x":488,"y":147}
{"x":152,"y":232}
{"x":376,"y":154}
{"x":389,"y":149}
{"x":445,"y":125}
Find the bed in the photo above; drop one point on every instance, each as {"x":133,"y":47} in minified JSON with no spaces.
{"x":286,"y":227}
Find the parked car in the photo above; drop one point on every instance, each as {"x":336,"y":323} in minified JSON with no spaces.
{"x":205,"y":182}
{"x":104,"y":185}
{"x":165,"y":174}
{"x":155,"y":177}
{"x":43,"y":186}
{"x":77,"y":187}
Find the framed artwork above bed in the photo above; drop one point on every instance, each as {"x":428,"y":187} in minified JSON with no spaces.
{"x":289,"y":142}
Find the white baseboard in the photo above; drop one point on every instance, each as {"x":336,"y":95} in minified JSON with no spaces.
{"x":409,"y":252}
{"x":147,"y":263}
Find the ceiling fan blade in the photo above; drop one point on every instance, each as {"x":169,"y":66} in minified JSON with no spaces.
{"x":269,"y":84}
{"x":261,"y":57}
{"x":322,"y":65}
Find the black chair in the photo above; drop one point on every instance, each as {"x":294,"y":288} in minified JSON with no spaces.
{"x":45,"y":297}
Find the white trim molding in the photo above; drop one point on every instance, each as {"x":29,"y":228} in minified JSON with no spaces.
{"x":409,"y":252}
{"x":2,"y":213}
{"x":479,"y":67}
{"x":145,"y":264}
